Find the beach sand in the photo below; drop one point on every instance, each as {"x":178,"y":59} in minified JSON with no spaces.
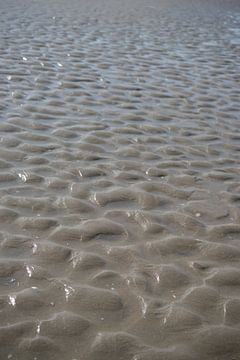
{"x":119,"y":180}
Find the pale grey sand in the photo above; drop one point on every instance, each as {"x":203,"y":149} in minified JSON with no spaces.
{"x":119,"y":180}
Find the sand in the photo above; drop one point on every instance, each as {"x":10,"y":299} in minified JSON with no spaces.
{"x":119,"y":180}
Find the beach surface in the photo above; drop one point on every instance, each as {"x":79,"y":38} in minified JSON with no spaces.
{"x":119,"y":180}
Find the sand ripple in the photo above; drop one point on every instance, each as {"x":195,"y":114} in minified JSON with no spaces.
{"x":119,"y":180}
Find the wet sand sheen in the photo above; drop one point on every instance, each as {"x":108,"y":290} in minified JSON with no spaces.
{"x":119,"y":180}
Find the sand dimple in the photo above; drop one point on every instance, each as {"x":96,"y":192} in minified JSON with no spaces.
{"x":15,"y":331}
{"x":72,"y":324}
{"x":119,"y":180}
{"x":115,"y":346}
{"x":95,"y":299}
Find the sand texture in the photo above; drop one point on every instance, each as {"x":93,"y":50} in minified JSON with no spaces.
{"x":119,"y":180}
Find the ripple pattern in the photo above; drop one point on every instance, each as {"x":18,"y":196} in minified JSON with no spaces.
{"x":119,"y":181}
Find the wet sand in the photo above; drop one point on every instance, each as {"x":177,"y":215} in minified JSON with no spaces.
{"x":119,"y":180}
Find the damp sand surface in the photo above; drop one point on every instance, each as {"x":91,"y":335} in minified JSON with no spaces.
{"x":119,"y":180}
